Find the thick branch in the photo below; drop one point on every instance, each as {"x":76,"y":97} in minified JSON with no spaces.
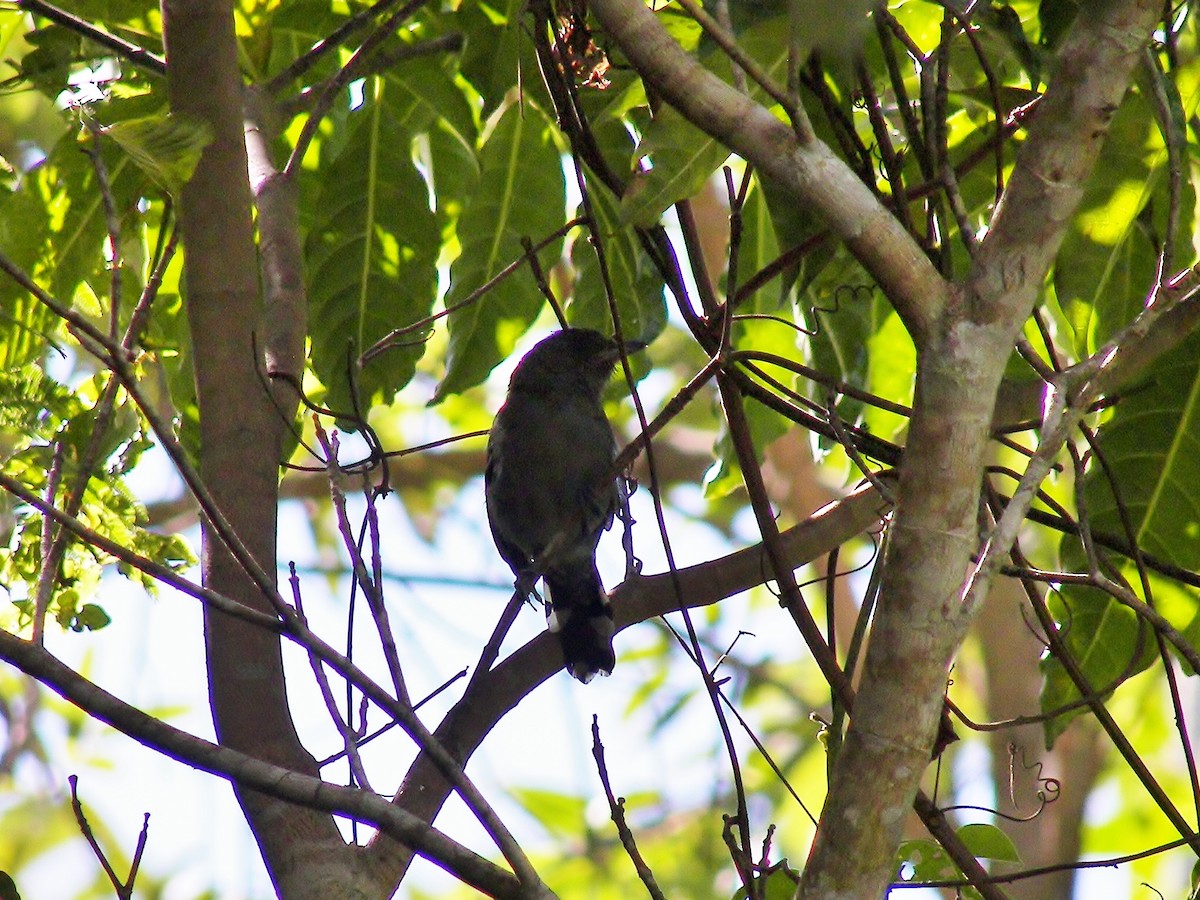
{"x":272,"y":780}
{"x":424,"y":790}
{"x":810,"y":170}
{"x":285,"y":299}
{"x":240,"y":440}
{"x":934,"y":538}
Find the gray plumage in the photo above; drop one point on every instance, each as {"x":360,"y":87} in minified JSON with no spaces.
{"x":550,"y":451}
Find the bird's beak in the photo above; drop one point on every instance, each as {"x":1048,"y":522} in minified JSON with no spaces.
{"x":613,"y":356}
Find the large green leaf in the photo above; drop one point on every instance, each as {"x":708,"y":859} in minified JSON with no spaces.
{"x":1102,"y":637}
{"x":295,"y":27}
{"x":78,"y":238}
{"x":166,"y":147}
{"x":371,"y":256}
{"x":758,"y":247}
{"x":54,"y":227}
{"x":423,"y":93}
{"x":637,"y":286}
{"x":430,"y":102}
{"x":1110,"y":254}
{"x":499,"y":52}
{"x":852,"y":337}
{"x":521,"y":195}
{"x":766,"y":425}
{"x":685,"y":157}
{"x":1151,"y":445}
{"x":26,"y":326}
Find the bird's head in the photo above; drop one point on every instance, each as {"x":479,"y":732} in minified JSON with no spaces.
{"x":570,"y":357}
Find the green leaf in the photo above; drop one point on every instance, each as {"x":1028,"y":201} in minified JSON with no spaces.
{"x":28,"y":399}
{"x":371,"y":257}
{"x":1102,"y":636}
{"x":25,"y":232}
{"x":27,"y":328}
{"x":1055,"y":17}
{"x":521,"y":195}
{"x":988,"y":842}
{"x":428,"y":101}
{"x":725,"y":474}
{"x":838,"y":305}
{"x":295,"y":27}
{"x":75,"y":243}
{"x":779,"y":882}
{"x":1149,"y":444}
{"x":1002,"y":20}
{"x":499,"y":53}
{"x":48,"y":65}
{"x":53,"y":427}
{"x":90,"y":617}
{"x":758,"y":248}
{"x":166,"y":147}
{"x":170,"y":337}
{"x":1110,"y":252}
{"x":453,"y":169}
{"x":637,"y":286}
{"x":924,"y":860}
{"x":423,"y":93}
{"x":559,"y":814}
{"x":685,"y":157}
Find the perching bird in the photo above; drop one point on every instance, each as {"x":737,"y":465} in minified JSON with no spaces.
{"x":549,"y":490}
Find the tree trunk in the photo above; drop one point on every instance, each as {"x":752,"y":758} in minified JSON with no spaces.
{"x":240,"y":440}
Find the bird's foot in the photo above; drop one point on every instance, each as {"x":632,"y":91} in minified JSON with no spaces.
{"x":526,"y":586}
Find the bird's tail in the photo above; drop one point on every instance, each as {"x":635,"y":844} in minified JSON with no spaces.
{"x":580,"y":614}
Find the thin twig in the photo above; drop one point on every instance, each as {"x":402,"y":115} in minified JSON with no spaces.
{"x":342,"y":79}
{"x":349,"y":738}
{"x":124,"y":889}
{"x":331,"y":41}
{"x":742,"y":859}
{"x":727,"y":42}
{"x":51,"y":548}
{"x":139,"y":56}
{"x":616,"y":808}
{"x":371,"y":586}
{"x":892,"y":161}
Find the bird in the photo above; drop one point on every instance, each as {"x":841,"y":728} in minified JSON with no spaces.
{"x":550,"y":489}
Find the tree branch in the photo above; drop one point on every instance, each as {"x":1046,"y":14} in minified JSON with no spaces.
{"x":240,"y":442}
{"x":139,"y":56}
{"x":934,"y":537}
{"x":809,"y":171}
{"x":246,"y":771}
{"x":493,"y":694}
